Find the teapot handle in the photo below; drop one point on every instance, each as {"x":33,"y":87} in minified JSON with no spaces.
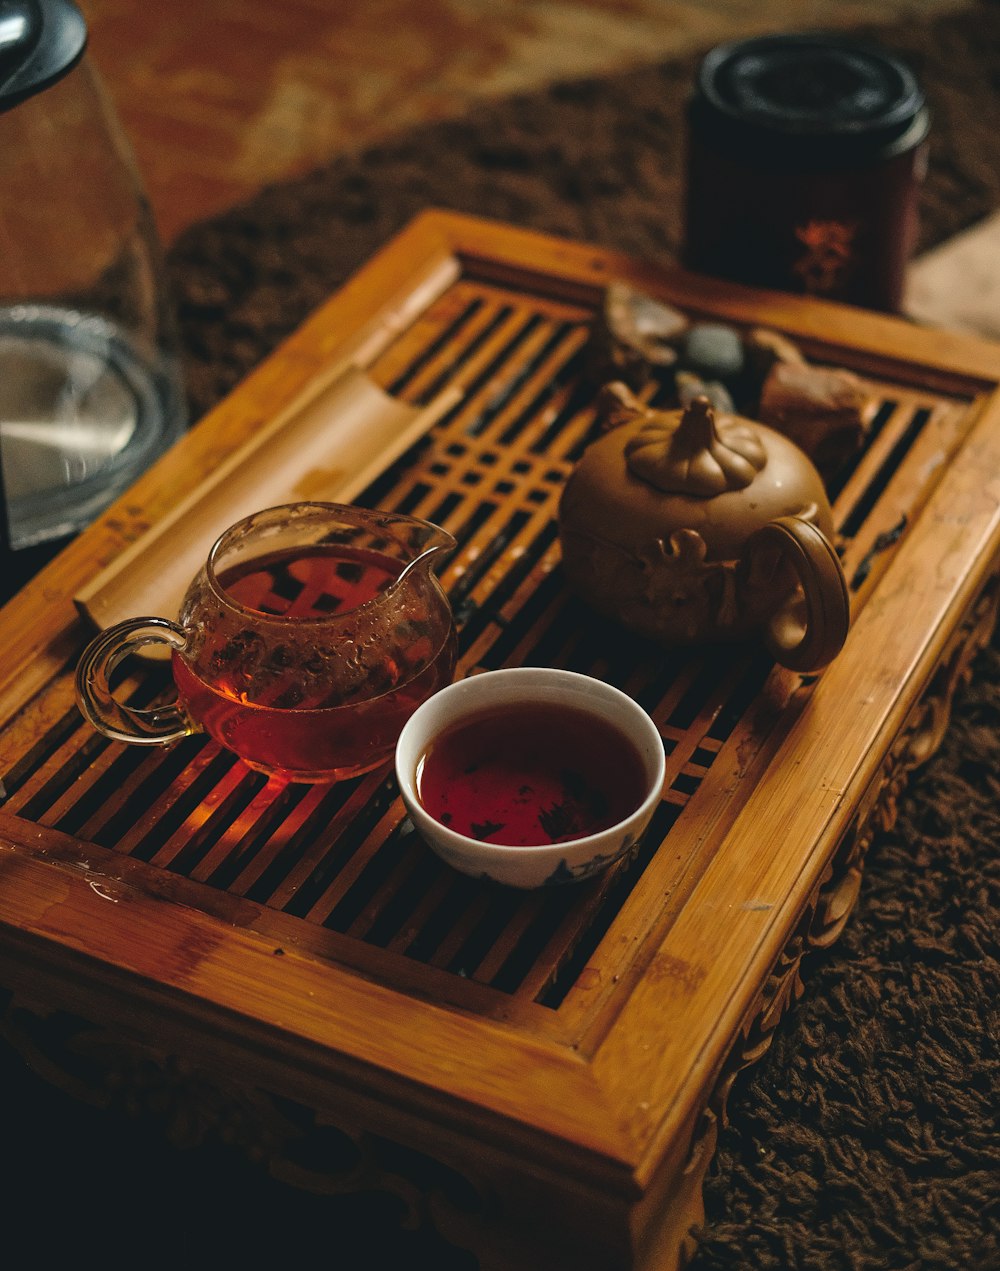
{"x":810,"y":627}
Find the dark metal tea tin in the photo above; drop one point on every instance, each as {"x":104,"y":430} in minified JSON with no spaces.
{"x":805,"y":157}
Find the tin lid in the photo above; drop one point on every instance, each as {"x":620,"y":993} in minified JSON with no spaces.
{"x":816,"y":99}
{"x":40,"y":40}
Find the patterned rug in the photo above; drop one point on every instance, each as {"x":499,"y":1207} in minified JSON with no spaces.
{"x":868,"y":1137}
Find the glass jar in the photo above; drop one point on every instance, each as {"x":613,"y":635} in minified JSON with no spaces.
{"x":90,"y":383}
{"x":805,"y":157}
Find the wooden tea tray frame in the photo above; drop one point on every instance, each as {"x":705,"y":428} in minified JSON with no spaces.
{"x":563,"y":1116}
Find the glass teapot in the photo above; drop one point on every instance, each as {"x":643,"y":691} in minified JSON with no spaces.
{"x":90,"y":385}
{"x":307,"y":639}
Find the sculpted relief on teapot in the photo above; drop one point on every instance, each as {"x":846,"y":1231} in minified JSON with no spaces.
{"x":692,"y":525}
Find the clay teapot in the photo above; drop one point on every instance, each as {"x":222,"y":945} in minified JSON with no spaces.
{"x":692,"y":525}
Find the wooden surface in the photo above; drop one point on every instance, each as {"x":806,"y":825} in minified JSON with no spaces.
{"x":565,"y":1051}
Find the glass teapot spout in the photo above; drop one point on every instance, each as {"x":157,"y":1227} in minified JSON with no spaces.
{"x":427,"y":543}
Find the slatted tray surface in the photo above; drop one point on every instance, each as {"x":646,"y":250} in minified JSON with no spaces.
{"x":345,"y":859}
{"x":568,"y":1050}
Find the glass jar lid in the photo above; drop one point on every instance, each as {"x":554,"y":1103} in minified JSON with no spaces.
{"x":814,"y":99}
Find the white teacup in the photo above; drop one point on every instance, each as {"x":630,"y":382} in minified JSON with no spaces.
{"x":600,"y":725}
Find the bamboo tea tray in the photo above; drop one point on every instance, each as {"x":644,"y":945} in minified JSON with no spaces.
{"x":541,"y":1075}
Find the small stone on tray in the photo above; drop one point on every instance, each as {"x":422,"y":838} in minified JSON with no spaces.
{"x":633,"y":334}
{"x":819,"y":408}
{"x":714,"y":351}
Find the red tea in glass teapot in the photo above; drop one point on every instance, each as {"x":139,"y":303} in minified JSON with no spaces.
{"x":308,"y":638}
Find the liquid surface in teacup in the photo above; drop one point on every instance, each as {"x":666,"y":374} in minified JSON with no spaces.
{"x":528,"y":774}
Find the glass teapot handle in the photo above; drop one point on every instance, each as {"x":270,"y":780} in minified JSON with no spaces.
{"x":809,"y":628}
{"x":157,"y":726}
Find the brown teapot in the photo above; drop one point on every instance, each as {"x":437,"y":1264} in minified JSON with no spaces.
{"x":692,"y":525}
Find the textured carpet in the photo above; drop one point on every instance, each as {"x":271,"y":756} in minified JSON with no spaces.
{"x":868,"y":1137}
{"x":599,"y":160}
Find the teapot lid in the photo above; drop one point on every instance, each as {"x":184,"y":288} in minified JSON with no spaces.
{"x":40,"y":41}
{"x":699,"y":455}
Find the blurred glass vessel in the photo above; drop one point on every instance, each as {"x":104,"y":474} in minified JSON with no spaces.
{"x":90,"y":382}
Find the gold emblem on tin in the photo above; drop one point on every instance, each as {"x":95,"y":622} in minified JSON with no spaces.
{"x":828,"y":255}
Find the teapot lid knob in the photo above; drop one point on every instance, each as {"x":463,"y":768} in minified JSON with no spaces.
{"x":701,"y":455}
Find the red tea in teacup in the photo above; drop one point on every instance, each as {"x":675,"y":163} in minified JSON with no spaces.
{"x":529,"y":773}
{"x":530,"y":776}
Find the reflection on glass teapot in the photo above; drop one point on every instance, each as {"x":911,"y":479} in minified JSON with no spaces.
{"x":684,"y":526}
{"x":307,"y":639}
